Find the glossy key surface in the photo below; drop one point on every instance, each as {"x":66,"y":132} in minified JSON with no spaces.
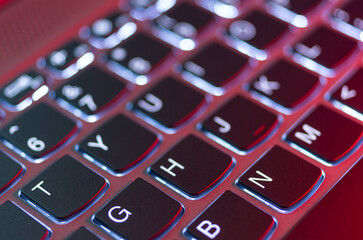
{"x":65,"y":188}
{"x":119,"y":144}
{"x":281,"y":177}
{"x":139,"y":212}
{"x":170,"y":102}
{"x":15,"y":224}
{"x":192,"y":166}
{"x":87,"y":90}
{"x":285,"y":83}
{"x":39,"y":130}
{"x":231,"y":217}
{"x":9,"y":171}
{"x":240,"y":123}
{"x":338,"y":214}
{"x":326,"y":134}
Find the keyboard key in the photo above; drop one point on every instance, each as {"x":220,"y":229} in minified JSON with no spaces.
{"x":281,"y":177}
{"x":65,"y":188}
{"x":149,"y":9}
{"x":275,"y":84}
{"x":241,"y":124}
{"x":22,"y":87}
{"x":351,"y":92}
{"x":37,"y":135}
{"x":137,"y":57}
{"x":231,"y":217}
{"x":169,"y":102}
{"x":225,"y":66}
{"x":140,"y":211}
{"x":296,"y":6}
{"x":119,"y":144}
{"x":177,"y":26}
{"x":326,"y":134}
{"x":9,"y":171}
{"x":350,"y":13}
{"x":223,"y":8}
{"x":109,"y":31}
{"x":257,"y":29}
{"x":338,"y":214}
{"x":83,"y":233}
{"x":319,"y":45}
{"x":192,"y":165}
{"x":16,"y":224}
{"x":67,"y":60}
{"x":86,"y":91}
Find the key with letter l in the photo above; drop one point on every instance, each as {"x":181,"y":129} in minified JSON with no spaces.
{"x":326,"y":134}
{"x":65,"y":188}
{"x":231,"y":217}
{"x":281,"y":177}
{"x":140,"y":211}
{"x":192,"y":165}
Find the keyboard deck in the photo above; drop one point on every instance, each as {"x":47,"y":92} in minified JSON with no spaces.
{"x":170,"y":120}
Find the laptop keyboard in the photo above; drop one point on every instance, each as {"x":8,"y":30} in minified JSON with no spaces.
{"x":205,"y":119}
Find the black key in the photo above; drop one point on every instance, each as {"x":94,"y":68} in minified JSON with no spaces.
{"x":139,"y":54}
{"x":320,"y":44}
{"x":140,"y":211}
{"x":109,"y":31}
{"x":338,"y":215}
{"x":9,"y":171}
{"x":296,"y":6}
{"x":170,"y":102}
{"x":178,"y":26}
{"x":350,"y":13}
{"x":215,"y":64}
{"x":286,"y":84}
{"x":281,"y":177}
{"x":91,"y":91}
{"x":326,"y":134}
{"x":351,"y":92}
{"x":15,"y":224}
{"x":241,"y":123}
{"x":63,"y":61}
{"x":65,"y":188}
{"x":21,"y":87}
{"x":39,"y":130}
{"x":119,"y":144}
{"x":83,"y":233}
{"x":192,"y":165}
{"x":231,"y":217}
{"x":257,"y":29}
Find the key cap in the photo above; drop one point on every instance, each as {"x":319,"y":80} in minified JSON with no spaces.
{"x":21,"y":88}
{"x":215,"y":65}
{"x":276,"y":84}
{"x":169,"y":102}
{"x":16,"y":224}
{"x":230,"y":217}
{"x":39,"y":131}
{"x":326,"y":134}
{"x":350,"y":13}
{"x":83,"y":233}
{"x":140,"y":211}
{"x":9,"y":171}
{"x":349,"y":93}
{"x":65,"y":188}
{"x":319,"y":45}
{"x":257,"y":29}
{"x":223,"y":8}
{"x":241,"y":124}
{"x":149,"y":9}
{"x":176,"y":26}
{"x":192,"y":166}
{"x":136,"y":57}
{"x":338,"y":214}
{"x":68,"y":60}
{"x":86,"y":91}
{"x":281,"y":177}
{"x":119,"y":144}
{"x":109,"y":31}
{"x":296,"y":6}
